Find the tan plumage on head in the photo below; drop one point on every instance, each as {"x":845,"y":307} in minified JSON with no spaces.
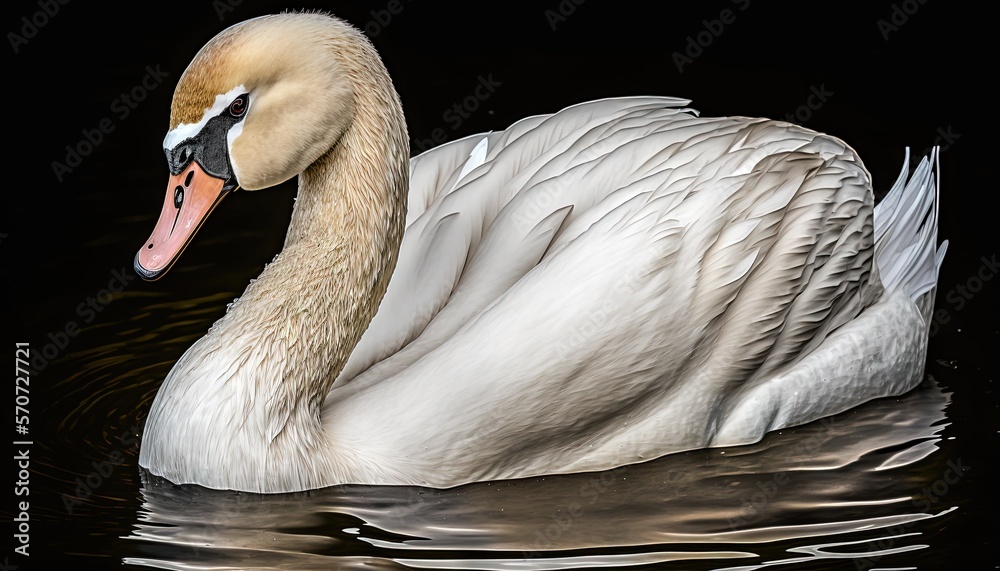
{"x":303,"y":102}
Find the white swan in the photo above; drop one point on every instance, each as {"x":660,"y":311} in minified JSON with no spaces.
{"x":601,"y":286}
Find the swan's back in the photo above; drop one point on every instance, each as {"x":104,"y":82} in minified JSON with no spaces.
{"x":619,"y":278}
{"x":736,"y":188}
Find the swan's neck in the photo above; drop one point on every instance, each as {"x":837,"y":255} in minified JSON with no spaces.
{"x":248,"y":395}
{"x":311,"y":305}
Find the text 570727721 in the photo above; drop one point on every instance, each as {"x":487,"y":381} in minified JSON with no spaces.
{"x":22,"y":446}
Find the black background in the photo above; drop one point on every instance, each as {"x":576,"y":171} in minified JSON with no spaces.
{"x":928,"y":77}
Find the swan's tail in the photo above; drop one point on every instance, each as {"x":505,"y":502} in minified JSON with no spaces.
{"x":906,"y":249}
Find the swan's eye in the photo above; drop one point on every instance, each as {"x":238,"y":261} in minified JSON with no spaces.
{"x":239,"y":106}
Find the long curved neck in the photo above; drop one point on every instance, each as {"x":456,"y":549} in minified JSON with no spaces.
{"x":242,"y":407}
{"x":298,"y":322}
{"x":319,"y":295}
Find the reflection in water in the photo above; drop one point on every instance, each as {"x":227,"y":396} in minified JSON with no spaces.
{"x":854,"y":486}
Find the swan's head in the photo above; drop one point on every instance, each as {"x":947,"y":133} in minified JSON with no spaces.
{"x":258,"y":104}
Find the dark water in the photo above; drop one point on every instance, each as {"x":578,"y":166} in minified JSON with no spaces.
{"x":902,"y":483}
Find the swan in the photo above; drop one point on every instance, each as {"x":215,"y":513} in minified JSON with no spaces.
{"x":596,"y":287}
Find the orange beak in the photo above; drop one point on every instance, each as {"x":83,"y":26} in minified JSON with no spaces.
{"x":191,"y":196}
